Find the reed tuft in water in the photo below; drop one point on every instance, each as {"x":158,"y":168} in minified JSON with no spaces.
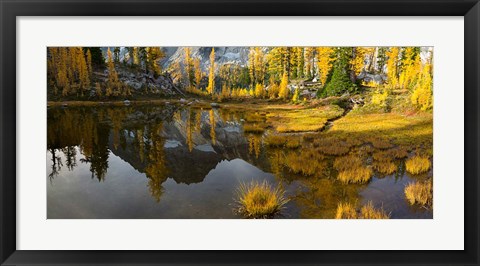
{"x":260,"y":200}
{"x":420,"y":193}
{"x":417,"y":165}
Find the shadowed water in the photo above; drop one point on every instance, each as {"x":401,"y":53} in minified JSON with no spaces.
{"x":180,"y":162}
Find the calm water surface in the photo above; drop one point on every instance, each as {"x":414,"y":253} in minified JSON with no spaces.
{"x":181,"y":162}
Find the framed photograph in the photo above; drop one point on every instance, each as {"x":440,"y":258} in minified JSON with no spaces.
{"x":239,"y":133}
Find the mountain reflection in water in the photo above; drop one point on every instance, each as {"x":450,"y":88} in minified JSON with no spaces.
{"x":181,"y":162}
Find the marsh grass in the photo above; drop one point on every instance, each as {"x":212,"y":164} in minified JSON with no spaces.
{"x":332,"y":146}
{"x":420,"y":193}
{"x":303,"y":120}
{"x":385,"y":167}
{"x":386,"y":130}
{"x":347,"y":210}
{"x":358,"y":175}
{"x":347,"y":162}
{"x":390,"y":154}
{"x":417,"y":164}
{"x":368,"y":211}
{"x":351,"y":169}
{"x":260,"y":200}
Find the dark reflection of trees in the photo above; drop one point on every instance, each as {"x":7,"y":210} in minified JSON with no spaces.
{"x":56,"y":164}
{"x":70,"y":157}
{"x":318,"y":192}
{"x":95,"y":129}
{"x":79,"y":127}
{"x":318,"y":198}
{"x":156,"y":169}
{"x":97,"y":155}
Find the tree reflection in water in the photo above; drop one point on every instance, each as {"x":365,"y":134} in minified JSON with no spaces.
{"x":186,"y":143}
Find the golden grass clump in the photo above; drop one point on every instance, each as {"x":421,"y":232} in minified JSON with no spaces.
{"x":346,"y":211}
{"x":420,"y":193}
{"x":358,"y":175}
{"x":385,"y":167}
{"x":369,"y":212}
{"x":417,"y":164}
{"x":347,"y":162}
{"x":260,"y":200}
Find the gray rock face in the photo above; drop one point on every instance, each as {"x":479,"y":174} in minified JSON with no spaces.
{"x":223,"y":55}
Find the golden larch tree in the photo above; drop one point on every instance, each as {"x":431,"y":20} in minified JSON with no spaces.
{"x":198,"y":72}
{"x":392,"y":67}
{"x":325,"y":60}
{"x":113,"y":84}
{"x":211,"y":74}
{"x":283,"y":90}
{"x":411,"y":68}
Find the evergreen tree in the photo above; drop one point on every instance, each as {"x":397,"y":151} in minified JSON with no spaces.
{"x":116,"y":55}
{"x":96,"y":56}
{"x":340,"y":81}
{"x":153,"y":54}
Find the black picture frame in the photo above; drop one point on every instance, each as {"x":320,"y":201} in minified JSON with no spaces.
{"x":9,"y":255}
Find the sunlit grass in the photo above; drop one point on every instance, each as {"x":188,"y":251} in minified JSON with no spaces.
{"x":358,"y":175}
{"x":260,"y":200}
{"x":385,"y":130}
{"x":303,"y":120}
{"x":420,"y":193}
{"x":347,"y":210}
{"x":385,"y":167}
{"x":417,"y":164}
{"x":369,"y":212}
